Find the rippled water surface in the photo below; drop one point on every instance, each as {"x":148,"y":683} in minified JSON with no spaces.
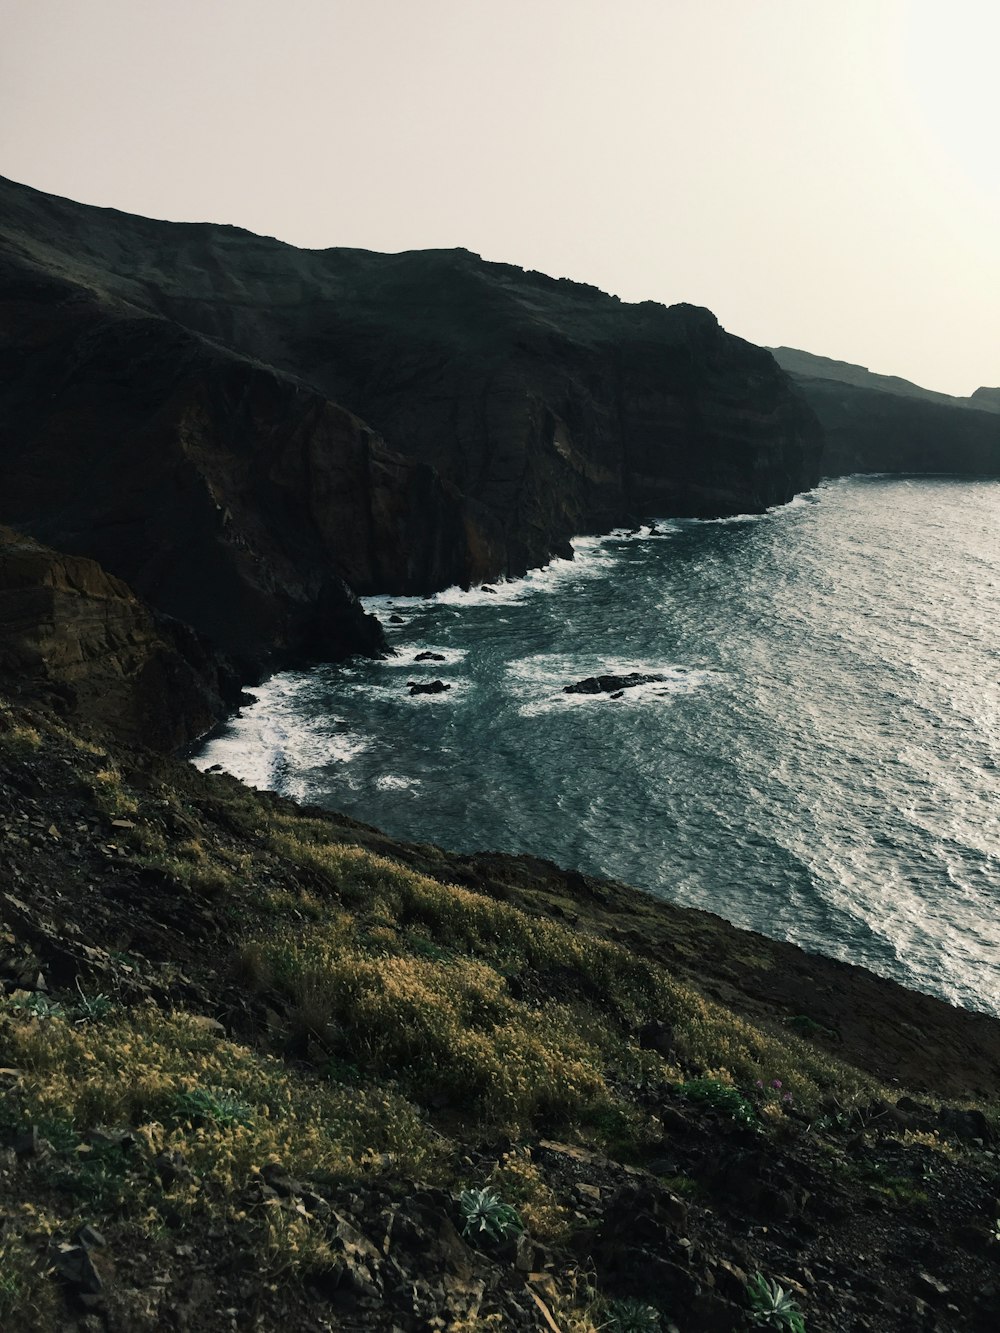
{"x":821,"y":763}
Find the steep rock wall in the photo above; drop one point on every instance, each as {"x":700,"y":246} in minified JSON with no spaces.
{"x":72,"y":630}
{"x":550,"y":407}
{"x":880,"y":423}
{"x":229,"y":495}
{"x":868,"y":430}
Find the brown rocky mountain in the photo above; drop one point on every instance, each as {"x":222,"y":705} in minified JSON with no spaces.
{"x":186,"y":404}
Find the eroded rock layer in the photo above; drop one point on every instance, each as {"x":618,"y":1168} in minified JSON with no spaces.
{"x":70,"y":630}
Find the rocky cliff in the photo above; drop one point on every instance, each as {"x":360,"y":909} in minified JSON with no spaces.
{"x":74,"y":633}
{"x":186,"y":403}
{"x":880,"y":423}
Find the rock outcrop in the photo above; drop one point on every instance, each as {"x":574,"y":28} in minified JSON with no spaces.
{"x":879,"y":423}
{"x":71,"y":631}
{"x":186,"y":404}
{"x":228,"y":495}
{"x":611,"y":684}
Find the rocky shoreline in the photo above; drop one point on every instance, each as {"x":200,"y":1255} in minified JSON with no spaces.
{"x":264,"y":1066}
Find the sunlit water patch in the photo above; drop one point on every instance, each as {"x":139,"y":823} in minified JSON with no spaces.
{"x":819,"y":761}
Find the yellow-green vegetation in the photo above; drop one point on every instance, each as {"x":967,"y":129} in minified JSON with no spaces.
{"x":518,"y":1179}
{"x":111,"y":795}
{"x":225,"y":1110}
{"x":28,"y":1298}
{"x":518,"y":1019}
{"x":17,"y":737}
{"x":389,"y":1031}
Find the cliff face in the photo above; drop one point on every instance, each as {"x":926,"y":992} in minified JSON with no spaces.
{"x":229,"y":495}
{"x":543,"y":407}
{"x":878,"y":423}
{"x":69,"y":629}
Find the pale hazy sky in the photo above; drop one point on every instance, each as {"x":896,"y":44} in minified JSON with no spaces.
{"x":820,"y":174}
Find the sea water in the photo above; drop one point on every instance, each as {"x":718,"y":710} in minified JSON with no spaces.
{"x":820,"y":762}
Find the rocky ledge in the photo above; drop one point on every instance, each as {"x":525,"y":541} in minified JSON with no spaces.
{"x":73,"y":633}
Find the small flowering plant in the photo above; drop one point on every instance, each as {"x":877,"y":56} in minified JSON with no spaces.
{"x":772,"y":1094}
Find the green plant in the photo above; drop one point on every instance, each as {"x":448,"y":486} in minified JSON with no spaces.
{"x":771,"y":1306}
{"x":100,"y":1179}
{"x":218,"y":1107}
{"x":630,"y":1316}
{"x":484,"y":1213}
{"x":37,"y":1004}
{"x":995,"y":1231}
{"x":719,"y":1096}
{"x":808,"y":1027}
{"x":92,"y":1008}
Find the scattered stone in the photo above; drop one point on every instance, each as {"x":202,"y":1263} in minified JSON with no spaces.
{"x":171,"y":1166}
{"x":931,"y":1288}
{"x":75,"y":1266}
{"x":968,"y":1125}
{"x":396,"y":620}
{"x":657,"y":1037}
{"x":89,"y":1237}
{"x":430,"y":657}
{"x":209,"y":1025}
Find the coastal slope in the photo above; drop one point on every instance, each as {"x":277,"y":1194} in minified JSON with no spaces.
{"x":264,"y":1058}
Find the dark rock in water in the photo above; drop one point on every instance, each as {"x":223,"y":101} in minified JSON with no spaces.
{"x":396,"y":620}
{"x":486,"y":588}
{"x":430,"y":657}
{"x":427,"y":687}
{"x":612,"y":685}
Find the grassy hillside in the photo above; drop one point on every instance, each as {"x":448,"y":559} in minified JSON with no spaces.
{"x":258,"y":1061}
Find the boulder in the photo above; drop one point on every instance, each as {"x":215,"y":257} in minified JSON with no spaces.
{"x":427,"y":687}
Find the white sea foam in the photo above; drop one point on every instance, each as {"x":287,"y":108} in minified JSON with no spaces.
{"x":393,"y":782}
{"x":407,"y":653}
{"x":801,"y":501}
{"x":541,"y":681}
{"x":279,"y":742}
{"x":592,"y":558}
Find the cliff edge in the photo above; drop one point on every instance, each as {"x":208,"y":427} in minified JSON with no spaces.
{"x":244,"y":431}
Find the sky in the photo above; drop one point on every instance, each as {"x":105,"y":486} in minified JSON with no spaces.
{"x":822,"y":174}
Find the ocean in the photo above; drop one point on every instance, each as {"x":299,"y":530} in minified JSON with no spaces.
{"x":819,"y":763}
